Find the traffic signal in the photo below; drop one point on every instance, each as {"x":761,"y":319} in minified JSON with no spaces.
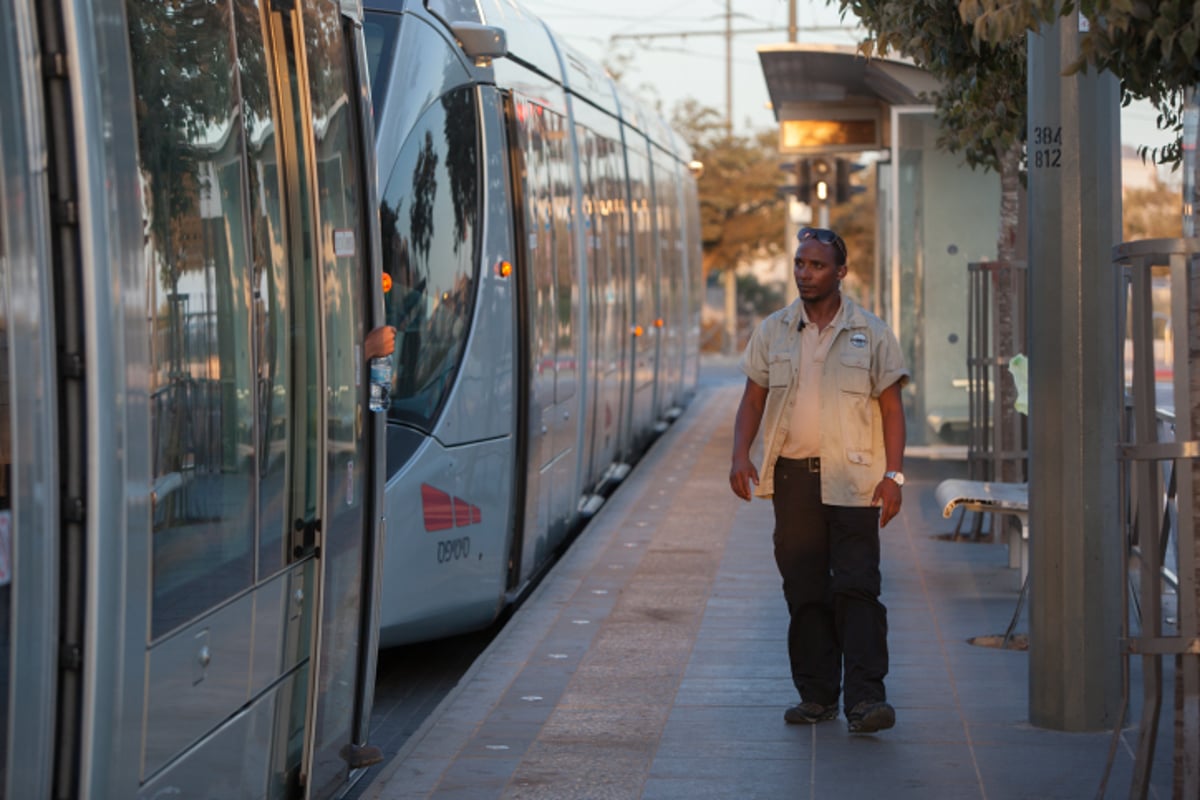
{"x":799,"y":181}
{"x":821,"y":180}
{"x":822,"y":177}
{"x":845,"y":190}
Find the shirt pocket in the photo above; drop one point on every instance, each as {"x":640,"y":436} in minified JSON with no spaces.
{"x":854,"y":395}
{"x":779,"y":369}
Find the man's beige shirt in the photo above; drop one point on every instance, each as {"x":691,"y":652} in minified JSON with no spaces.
{"x":803,"y":438}
{"x":864,"y":358}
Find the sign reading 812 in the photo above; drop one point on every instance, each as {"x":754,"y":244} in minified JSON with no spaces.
{"x":1046,"y":149}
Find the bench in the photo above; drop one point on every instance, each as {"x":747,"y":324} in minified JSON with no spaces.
{"x":994,"y":498}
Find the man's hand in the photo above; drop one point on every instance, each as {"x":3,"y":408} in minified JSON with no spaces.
{"x":887,"y":495}
{"x":741,"y":475}
{"x":380,"y":342}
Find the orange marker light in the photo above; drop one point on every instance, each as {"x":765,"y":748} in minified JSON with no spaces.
{"x":658,"y":323}
{"x":387,"y":283}
{"x":504,"y":269}
{"x":637,"y":330}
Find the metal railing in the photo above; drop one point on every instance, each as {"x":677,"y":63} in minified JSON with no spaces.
{"x":996,"y":314}
{"x":1158,"y":449}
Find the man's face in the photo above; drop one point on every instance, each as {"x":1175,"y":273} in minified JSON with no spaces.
{"x":816,"y":271}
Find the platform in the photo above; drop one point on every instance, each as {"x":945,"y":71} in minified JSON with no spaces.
{"x":651,"y":663}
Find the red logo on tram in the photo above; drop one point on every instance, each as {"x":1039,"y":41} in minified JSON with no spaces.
{"x":443,"y":511}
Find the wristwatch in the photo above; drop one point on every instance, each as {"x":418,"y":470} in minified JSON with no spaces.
{"x":898,"y":477}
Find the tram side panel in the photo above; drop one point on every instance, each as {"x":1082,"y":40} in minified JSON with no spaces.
{"x":603,"y":190}
{"x":539,"y":130}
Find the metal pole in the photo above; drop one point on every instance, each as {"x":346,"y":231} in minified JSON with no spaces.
{"x":1074,"y":380}
{"x":729,"y":67}
{"x":731,"y":321}
{"x":792,"y":28}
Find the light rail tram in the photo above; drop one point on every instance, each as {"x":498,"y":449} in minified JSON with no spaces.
{"x":540,"y":237}
{"x":205,"y":205}
{"x":189,"y":263}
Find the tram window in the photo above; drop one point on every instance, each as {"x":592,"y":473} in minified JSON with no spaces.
{"x":202,"y":389}
{"x":380,"y":32}
{"x":455,"y":10}
{"x":430,"y":216}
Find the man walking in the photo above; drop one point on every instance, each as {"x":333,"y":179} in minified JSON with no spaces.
{"x":826,"y":375}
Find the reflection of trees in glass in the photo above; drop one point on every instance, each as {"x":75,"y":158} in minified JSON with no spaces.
{"x":428,"y":249}
{"x":460,"y":162}
{"x":420,"y":213}
{"x":178,"y":100}
{"x":252,"y":63}
{"x":323,"y":42}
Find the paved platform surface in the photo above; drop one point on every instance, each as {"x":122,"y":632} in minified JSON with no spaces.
{"x":651,"y":663}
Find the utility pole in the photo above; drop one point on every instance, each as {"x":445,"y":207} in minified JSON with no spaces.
{"x":793,"y":30}
{"x":729,"y":67}
{"x":731,"y":316}
{"x":1075,"y":577}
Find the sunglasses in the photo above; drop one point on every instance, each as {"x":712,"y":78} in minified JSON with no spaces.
{"x":824,"y":236}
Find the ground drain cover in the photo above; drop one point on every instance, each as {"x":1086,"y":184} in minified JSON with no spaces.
{"x":1018,"y":641}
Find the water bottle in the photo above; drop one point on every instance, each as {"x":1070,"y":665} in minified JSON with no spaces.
{"x":380,"y":385}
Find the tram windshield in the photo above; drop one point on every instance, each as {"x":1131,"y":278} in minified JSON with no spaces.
{"x":430,"y":222}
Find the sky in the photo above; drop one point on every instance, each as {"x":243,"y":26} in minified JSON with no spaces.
{"x":671,"y":68}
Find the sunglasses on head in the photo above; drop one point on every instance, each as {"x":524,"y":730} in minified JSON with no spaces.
{"x":824,"y":236}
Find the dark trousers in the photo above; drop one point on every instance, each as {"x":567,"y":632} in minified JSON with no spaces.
{"x":828,"y":557}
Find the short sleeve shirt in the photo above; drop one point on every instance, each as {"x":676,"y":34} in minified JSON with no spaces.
{"x":863,"y":360}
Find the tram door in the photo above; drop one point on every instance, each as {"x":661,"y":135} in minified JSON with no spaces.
{"x":28,"y":612}
{"x":255,"y":252}
{"x":544,"y":181}
{"x":645,"y":335}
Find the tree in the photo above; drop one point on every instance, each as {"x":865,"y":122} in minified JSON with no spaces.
{"x":1151,"y":213}
{"x":981,"y":117}
{"x":741,"y":212}
{"x":1151,"y":47}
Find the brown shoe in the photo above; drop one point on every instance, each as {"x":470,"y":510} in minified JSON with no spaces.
{"x":810,"y":712}
{"x":869,"y":717}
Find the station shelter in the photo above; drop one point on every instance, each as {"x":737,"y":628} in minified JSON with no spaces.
{"x":935,"y":214}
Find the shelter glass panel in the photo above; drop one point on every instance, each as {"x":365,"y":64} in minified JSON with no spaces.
{"x":944,"y":216}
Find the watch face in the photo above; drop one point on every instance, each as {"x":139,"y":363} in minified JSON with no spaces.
{"x":898,"y":477}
